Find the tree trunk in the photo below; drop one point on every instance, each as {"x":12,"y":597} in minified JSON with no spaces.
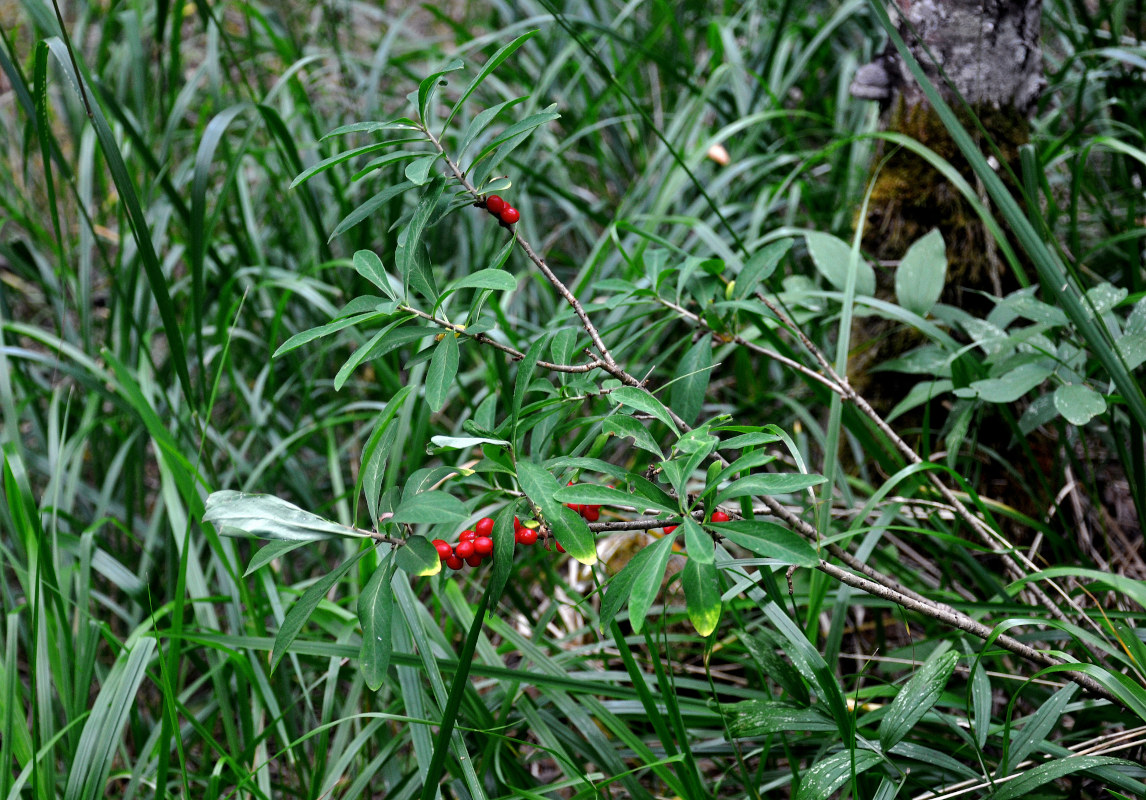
{"x":985,"y":59}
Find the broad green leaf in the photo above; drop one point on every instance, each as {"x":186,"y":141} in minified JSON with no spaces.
{"x":769,"y":540}
{"x":690,"y":383}
{"x":1022,"y":742}
{"x":303,"y":607}
{"x":433,"y":507}
{"x":916,"y":697}
{"x":369,"y":207}
{"x":516,"y":133}
{"x":569,"y":528}
{"x":481,"y":123}
{"x":502,"y":553}
{"x":981,"y":701}
{"x":647,"y":582}
{"x":418,"y":172}
{"x":760,"y":266}
{"x":829,"y":774}
{"x":762,"y":646}
{"x":921,"y":274}
{"x":418,"y":557}
{"x":375,"y":612}
{"x":643,"y":401}
{"x":592,"y":494}
{"x":269,"y":552}
{"x":378,"y":452}
{"x":698,"y":542}
{"x":525,"y":373}
{"x":832,"y":257}
{"x":768,"y":483}
{"x":410,"y":242}
{"x":496,"y":279}
{"x":1058,"y":768}
{"x":429,"y":86}
{"x":620,"y":587}
{"x":389,"y":338}
{"x":265,"y":516}
{"x":398,"y":123}
{"x":625,"y":426}
{"x":1132,"y":349}
{"x":369,"y":266}
{"x":1078,"y":403}
{"x":573,"y":534}
{"x":762,"y":717}
{"x":443,"y":370}
{"x":748,"y":440}
{"x":493,"y":63}
{"x":303,"y":337}
{"x":701,"y":594}
{"x":1009,"y":387}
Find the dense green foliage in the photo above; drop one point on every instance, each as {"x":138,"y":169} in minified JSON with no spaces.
{"x":248,"y":292}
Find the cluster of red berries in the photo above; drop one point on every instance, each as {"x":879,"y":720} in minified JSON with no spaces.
{"x":501,"y":209}
{"x":590,"y":513}
{"x":475,"y":546}
{"x":717,"y":516}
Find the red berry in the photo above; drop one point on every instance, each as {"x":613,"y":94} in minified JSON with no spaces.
{"x":464,"y":549}
{"x":453,"y":562}
{"x":466,"y":536}
{"x":576,"y":508}
{"x":474,"y":561}
{"x":443,"y":548}
{"x":591,"y":513}
{"x":483,"y":546}
{"x":669,"y":529}
{"x":720,"y":516}
{"x":560,"y":549}
{"x":495,"y":204}
{"x":509,"y":215}
{"x":484,"y":526}
{"x":528,"y":536}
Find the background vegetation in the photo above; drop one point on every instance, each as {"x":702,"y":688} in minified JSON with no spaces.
{"x":156,"y":252}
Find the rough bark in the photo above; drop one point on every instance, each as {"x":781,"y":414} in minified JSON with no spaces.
{"x":985,"y":57}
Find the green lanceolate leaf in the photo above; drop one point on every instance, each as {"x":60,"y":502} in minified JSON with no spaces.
{"x":643,"y":401}
{"x":627,"y":427}
{"x":759,"y":267}
{"x":769,"y":540}
{"x":369,"y":266}
{"x":922,"y":273}
{"x":763,"y":647}
{"x":443,"y":370}
{"x":303,"y":607}
{"x":269,"y":552}
{"x":647,"y":582}
{"x":620,"y":587}
{"x":409,"y":249}
{"x":768,"y":483}
{"x":690,"y":383}
{"x":418,"y":556}
{"x":265,"y":516}
{"x":701,"y":594}
{"x":496,"y":279}
{"x":502,"y":553}
{"x":826,"y":776}
{"x":592,"y":494}
{"x":375,"y":612}
{"x":569,"y":528}
{"x":916,"y":698}
{"x":697,"y":542}
{"x":1059,"y":768}
{"x":432,"y":507}
{"x":763,"y":717}
{"x":1009,"y":387}
{"x":832,"y":258}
